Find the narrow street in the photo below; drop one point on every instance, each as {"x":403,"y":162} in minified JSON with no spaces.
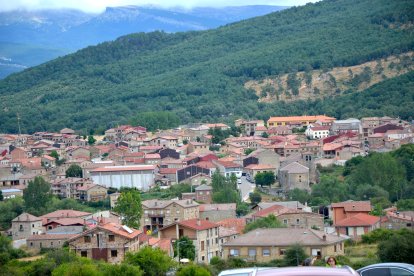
{"x":245,"y":188}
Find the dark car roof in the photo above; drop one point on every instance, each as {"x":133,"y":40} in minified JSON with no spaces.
{"x":409,"y":267}
{"x":308,"y":271}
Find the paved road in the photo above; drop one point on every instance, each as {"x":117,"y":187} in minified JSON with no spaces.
{"x":245,"y":188}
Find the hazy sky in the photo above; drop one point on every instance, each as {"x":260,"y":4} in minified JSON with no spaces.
{"x":99,"y":5}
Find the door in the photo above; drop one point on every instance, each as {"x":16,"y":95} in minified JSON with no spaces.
{"x":100,"y":254}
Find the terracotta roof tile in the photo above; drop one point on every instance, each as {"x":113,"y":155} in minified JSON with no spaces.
{"x":360,"y":219}
{"x":353,"y":206}
{"x":236,"y":224}
{"x":198,"y":224}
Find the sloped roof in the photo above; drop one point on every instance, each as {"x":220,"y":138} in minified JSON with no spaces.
{"x":67,"y":221}
{"x":284,"y":237}
{"x":160,"y":204}
{"x":275,"y":210}
{"x":261,"y":167}
{"x":360,"y":219}
{"x":204,"y":187}
{"x":198,"y":224}
{"x":66,"y":214}
{"x":353,"y":206}
{"x":295,"y":167}
{"x":26,"y":217}
{"x":124,"y":168}
{"x":236,"y":224}
{"x":217,"y":207}
{"x":225,"y":232}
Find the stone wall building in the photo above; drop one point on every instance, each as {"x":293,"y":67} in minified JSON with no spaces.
{"x":26,"y":225}
{"x":108,"y":242}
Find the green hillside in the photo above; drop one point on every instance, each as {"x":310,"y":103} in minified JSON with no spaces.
{"x":200,"y":76}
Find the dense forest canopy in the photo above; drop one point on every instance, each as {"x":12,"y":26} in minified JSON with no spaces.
{"x":199,"y":76}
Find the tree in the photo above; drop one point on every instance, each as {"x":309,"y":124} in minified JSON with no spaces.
{"x":153,"y":261}
{"x":265,"y":178}
{"x":255,"y":197}
{"x":37,"y":195}
{"x":54,"y":154}
{"x":299,"y":195}
{"x":242,"y":208}
{"x":74,"y":171}
{"x":268,"y":222}
{"x":129,"y":207}
{"x":91,"y":140}
{"x":398,"y":248}
{"x":405,"y":204}
{"x":294,"y":255}
{"x":193,"y":270}
{"x":187,"y":248}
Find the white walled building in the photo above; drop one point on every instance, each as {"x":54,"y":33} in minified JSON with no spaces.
{"x":140,"y":177}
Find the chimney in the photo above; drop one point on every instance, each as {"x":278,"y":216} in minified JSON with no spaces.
{"x":324,"y":237}
{"x":155,"y":203}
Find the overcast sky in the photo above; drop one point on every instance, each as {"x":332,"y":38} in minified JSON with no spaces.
{"x":99,"y":5}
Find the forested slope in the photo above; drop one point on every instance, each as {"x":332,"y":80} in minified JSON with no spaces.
{"x":200,"y":75}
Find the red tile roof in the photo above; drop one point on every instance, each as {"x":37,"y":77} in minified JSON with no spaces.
{"x":119,"y":230}
{"x":198,"y":224}
{"x":353,"y":206}
{"x":360,"y":219}
{"x":275,"y":209}
{"x":168,"y":170}
{"x":67,"y":221}
{"x":66,"y":214}
{"x":217,"y":207}
{"x":236,"y":224}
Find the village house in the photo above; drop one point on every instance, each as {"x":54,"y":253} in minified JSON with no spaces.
{"x":397,"y":220}
{"x":294,"y":176}
{"x":25,"y":225}
{"x":203,"y":233}
{"x":68,"y":187}
{"x":263,"y":157}
{"x":92,"y":192}
{"x":217,"y":212}
{"x":187,"y":172}
{"x":249,"y":127}
{"x":279,"y":130}
{"x":357,"y":225}
{"x":59,"y":214}
{"x":317,"y":132}
{"x":347,"y":209}
{"x":226,"y":235}
{"x":158,"y":213}
{"x":292,"y":218}
{"x":197,"y":147}
{"x":108,"y":242}
{"x":48,"y":240}
{"x":264,"y":245}
{"x":296,"y":120}
{"x":228,"y":169}
{"x":203,"y":193}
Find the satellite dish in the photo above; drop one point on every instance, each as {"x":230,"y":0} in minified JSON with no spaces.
{"x":126,"y":228}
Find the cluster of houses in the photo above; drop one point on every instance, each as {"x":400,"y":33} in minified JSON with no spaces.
{"x":214,"y":229}
{"x":128,"y":156}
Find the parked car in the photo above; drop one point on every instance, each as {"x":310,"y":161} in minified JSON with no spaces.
{"x":387,"y":269}
{"x":291,"y":271}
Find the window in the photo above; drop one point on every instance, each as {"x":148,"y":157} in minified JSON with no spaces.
{"x":376,"y":272}
{"x":285,"y":221}
{"x":335,"y":248}
{"x":202,"y":246}
{"x":87,"y":238}
{"x":202,"y":258}
{"x":84,"y":254}
{"x":51,"y":243}
{"x":234,"y":252}
{"x":297,"y":221}
{"x":114,"y":253}
{"x":400,"y":272}
{"x":111,"y":238}
{"x":266,"y":252}
{"x":21,"y":227}
{"x":252,"y":252}
{"x":282,"y":251}
{"x":32,"y":225}
{"x":31,"y":244}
